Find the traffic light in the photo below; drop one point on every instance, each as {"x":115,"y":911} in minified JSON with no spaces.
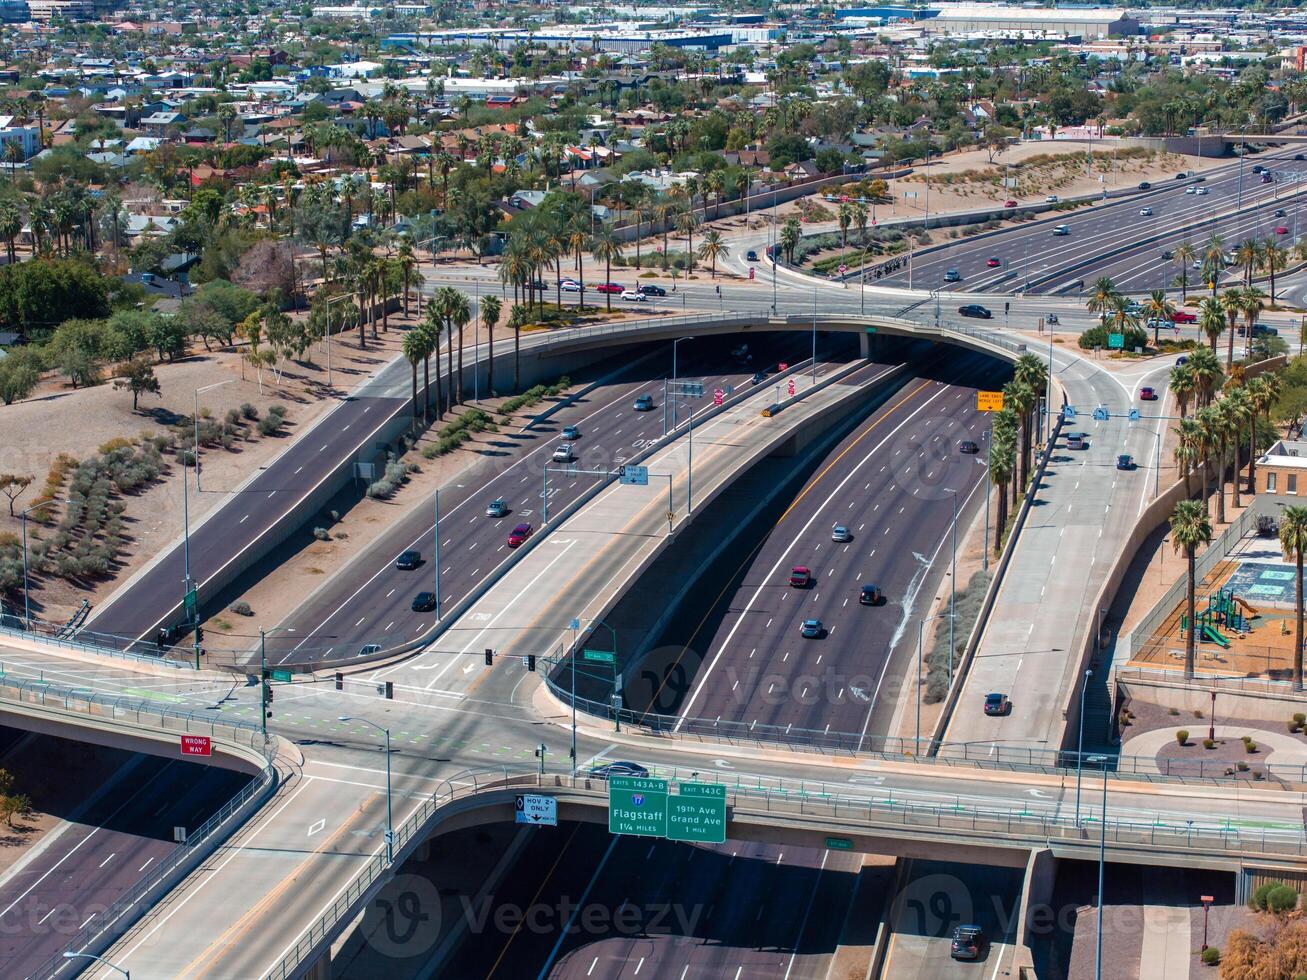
{"x":340,"y":681}
{"x":199,"y":634}
{"x":390,"y":690}
{"x":531,"y":661}
{"x":490,"y":657}
{"x":161,"y":638}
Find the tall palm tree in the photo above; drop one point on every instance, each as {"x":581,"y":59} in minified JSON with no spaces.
{"x":432,"y":327}
{"x":490,"y":310}
{"x":1158,"y":308}
{"x":1211,"y":320}
{"x":1232,"y":305}
{"x":712,"y":248}
{"x":1238,"y":405}
{"x":1102,"y":295}
{"x":640,"y":208}
{"x":1293,"y":542}
{"x":460,"y":315}
{"x":606,"y":246}
{"x":413,"y":347}
{"x":1191,"y":529}
{"x":1032,"y":372}
{"x":1184,"y":255}
{"x":1251,"y":307}
{"x":1248,"y":254}
{"x":1274,"y":259}
{"x":1187,"y":451}
{"x":408,"y":263}
{"x":11,"y":226}
{"x":1021,"y":398}
{"x":1182,"y":384}
{"x":1264,"y":391}
{"x":1208,"y":434}
{"x":686,"y":222}
{"x":1207,"y":372}
{"x":1002,"y":465}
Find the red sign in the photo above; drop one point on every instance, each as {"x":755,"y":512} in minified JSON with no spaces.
{"x":782,"y":366}
{"x":791,"y":388}
{"x":750,"y":273}
{"x":196,"y":745}
{"x":1206,"y":899}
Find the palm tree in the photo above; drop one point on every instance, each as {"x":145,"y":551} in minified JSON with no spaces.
{"x":1158,"y":308}
{"x":1213,"y":261}
{"x":1238,"y":405}
{"x":460,"y":314}
{"x":711,"y":248}
{"x":1191,"y":529}
{"x":1187,"y":451}
{"x":408,"y":265}
{"x":686,"y":222}
{"x":845,"y":219}
{"x":1184,"y":255}
{"x":11,"y":226}
{"x":1211,"y":320}
{"x":1274,"y":259}
{"x":413,"y":346}
{"x":1102,"y":295}
{"x":791,"y":232}
{"x":1248,"y":254}
{"x":663,"y":208}
{"x":1293,"y":542}
{"x":490,"y":310}
{"x":1207,"y":372}
{"x":640,"y":207}
{"x":1264,"y":390}
{"x":1182,"y":384}
{"x":1021,"y":398}
{"x":429,"y":330}
{"x":606,"y":246}
{"x":1208,"y":434}
{"x":1002,"y":464}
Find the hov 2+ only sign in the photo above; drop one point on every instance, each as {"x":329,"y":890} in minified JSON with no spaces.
{"x":537,"y":810}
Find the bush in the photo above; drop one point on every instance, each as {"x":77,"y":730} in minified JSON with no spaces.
{"x":248,"y":411}
{"x":242,"y":608}
{"x":1098,"y":336}
{"x":270,"y":424}
{"x":1280,"y":899}
{"x":1250,"y":746}
{"x":321,"y":534}
{"x":1299,"y":719}
{"x":1211,"y":956}
{"x":1209,"y":743}
{"x":1182,"y":737}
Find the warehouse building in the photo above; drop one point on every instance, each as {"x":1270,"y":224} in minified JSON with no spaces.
{"x":1083,"y":22}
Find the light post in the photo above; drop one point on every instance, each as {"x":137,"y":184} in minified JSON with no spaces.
{"x":70,"y":955}
{"x":337,"y":299}
{"x":616,"y":696}
{"x":390,"y":827}
{"x":1080,"y":745}
{"x":1102,"y":861}
{"x":953,"y":592}
{"x":989,"y":486}
{"x":27,"y":606}
{"x":265,"y":689}
{"x":437,"y":555}
{"x":196,"y":419}
{"x":674,"y":377}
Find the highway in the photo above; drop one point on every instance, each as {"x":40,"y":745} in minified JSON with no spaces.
{"x":370,"y":600}
{"x":890,"y":482}
{"x":85,"y":864}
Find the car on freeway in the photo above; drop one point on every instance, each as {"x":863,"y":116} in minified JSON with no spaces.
{"x":975,"y":310}
{"x":1267,"y":178}
{"x":1052,"y":318}
{"x":1184,"y":316}
{"x":1050,"y":199}
{"x":800,"y":576}
{"x":633,"y":296}
{"x":1258,"y":168}
{"x":424,"y":602}
{"x":1201,"y":191}
{"x":1157,"y":323}
{"x":570,"y":433}
{"x":570,"y":286}
{"x":811,"y":629}
{"x":993,"y":262}
{"x":497,"y":508}
{"x":1077,"y":440}
{"x":1300,"y":156}
{"x":649,"y":289}
{"x":367,"y":649}
{"x":997,"y":704}
{"x":1279,"y":213}
{"x":870,"y":595}
{"x":840,"y":534}
{"x":1147,"y":394}
{"x":1191,"y":189}
{"x":1009,"y":203}
{"x":1167,"y":255}
{"x":539,"y":286}
{"x":968,"y":940}
{"x":758,"y":377}
{"x":1281,"y":230}
{"x":1145,"y":185}
{"x":409,"y":560}
{"x":1145,"y":212}
{"x":644,"y":403}
{"x":518,"y":535}
{"x":1062,"y":230}
{"x":1125,"y":462}
{"x":741,"y":352}
{"x":968,"y":447}
{"x":952,"y":275}
{"x":562,"y":453}
{"x":620,"y":767}
{"x":610,"y":287}
{"x":751,"y":256}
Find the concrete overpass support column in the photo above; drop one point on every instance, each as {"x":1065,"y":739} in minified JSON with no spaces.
{"x":864,"y":344}
{"x":1035,"y":916}
{"x":321,"y":970}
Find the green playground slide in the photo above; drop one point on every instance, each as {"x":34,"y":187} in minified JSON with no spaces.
{"x":1211,"y":633}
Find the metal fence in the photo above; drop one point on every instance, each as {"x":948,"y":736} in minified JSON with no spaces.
{"x":104,"y":928}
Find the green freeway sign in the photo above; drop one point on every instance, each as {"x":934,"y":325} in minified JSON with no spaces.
{"x":284,"y":676}
{"x":839,"y":844}
{"x":698,"y":813}
{"x":1116,"y":341}
{"x":599,"y":656}
{"x":189,"y":601}
{"x":637,"y":806}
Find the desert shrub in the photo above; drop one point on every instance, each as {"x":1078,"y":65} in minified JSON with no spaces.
{"x":249,"y":412}
{"x":1280,"y":899}
{"x":1211,"y":956}
{"x":321,"y":534}
{"x":1182,"y":737}
{"x":242,"y":608}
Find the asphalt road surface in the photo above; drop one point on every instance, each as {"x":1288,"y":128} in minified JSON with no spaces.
{"x":890,"y":483}
{"x":371,"y":602}
{"x":82,"y":866}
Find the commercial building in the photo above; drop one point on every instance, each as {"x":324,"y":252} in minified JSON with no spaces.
{"x":1084,"y":22}
{"x":591,"y":37}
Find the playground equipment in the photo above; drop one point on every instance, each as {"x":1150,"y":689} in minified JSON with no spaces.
{"x":1224,"y":608}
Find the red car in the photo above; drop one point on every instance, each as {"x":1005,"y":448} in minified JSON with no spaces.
{"x":610,"y":287}
{"x":518,"y":535}
{"x":800,"y":576}
{"x":1009,"y":204}
{"x":1147,"y":394}
{"x":994,"y":262}
{"x":1281,"y":230}
{"x":1183,"y":316}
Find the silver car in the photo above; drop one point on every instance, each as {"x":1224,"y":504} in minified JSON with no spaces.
{"x":840,"y":534}
{"x":497,"y":508}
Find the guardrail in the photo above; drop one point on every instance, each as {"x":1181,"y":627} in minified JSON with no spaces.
{"x":1015,"y":826}
{"x":101,"y":931}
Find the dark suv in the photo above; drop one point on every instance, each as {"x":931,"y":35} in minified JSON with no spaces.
{"x":870,"y":595}
{"x":967,"y":942}
{"x":409,"y":560}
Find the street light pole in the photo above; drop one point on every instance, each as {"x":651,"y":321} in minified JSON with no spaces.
{"x":1080,"y":746}
{"x":437,"y":535}
{"x":674,"y":377}
{"x":1102,"y":860}
{"x":70,"y":955}
{"x":390,"y":826}
{"x":953,"y":593}
{"x":196,"y":419}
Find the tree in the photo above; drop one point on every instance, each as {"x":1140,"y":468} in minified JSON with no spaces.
{"x":490,"y":310}
{"x":686,"y":222}
{"x":1182,"y":384}
{"x":19,"y":373}
{"x":1158,"y":308}
{"x":80,"y":367}
{"x":1211,"y":320}
{"x":606,"y":247}
{"x":1187,"y":450}
{"x":790,"y":235}
{"x":1184,"y":255}
{"x":1101,"y":297}
{"x":1263,"y":392}
{"x":518,"y":316}
{"x":1293,"y":542}
{"x":12,"y":486}
{"x":1190,"y":528}
{"x":414,"y":348}
{"x":137,"y":376}
{"x":712,"y":248}
{"x":429,"y":329}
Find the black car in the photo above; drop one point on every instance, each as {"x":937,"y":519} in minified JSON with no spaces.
{"x":969,"y":447}
{"x":1299,"y":156}
{"x":424,"y":602}
{"x":1279,"y":213}
{"x":975,"y":310}
{"x":870,"y":595}
{"x":759,"y":377}
{"x":620,"y":768}
{"x":409,"y":560}
{"x":751,"y":256}
{"x":1167,"y":255}
{"x":539,"y":286}
{"x":967,"y":942}
{"x":1145,"y":185}
{"x":648,"y":289}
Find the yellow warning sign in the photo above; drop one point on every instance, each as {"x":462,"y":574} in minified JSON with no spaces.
{"x":989,"y":401}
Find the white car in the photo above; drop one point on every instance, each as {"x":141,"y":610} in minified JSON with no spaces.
{"x":1201,"y":191}
{"x":563,"y":453}
{"x":631,"y":296}
{"x":1191,"y":190}
{"x":840,"y":534}
{"x":570,"y":286}
{"x":1145,"y":212}
{"x":1051,"y":199}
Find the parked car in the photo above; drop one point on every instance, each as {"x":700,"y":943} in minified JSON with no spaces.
{"x":570,"y":433}
{"x":1147,"y":394}
{"x":633,"y":296}
{"x":610,"y":287}
{"x":1125,"y":462}
{"x":518,"y":535}
{"x":409,"y":560}
{"x":968,"y":447}
{"x":497,"y":508}
{"x":644,"y":403}
{"x":800,"y":576}
{"x":424,"y":602}
{"x":649,"y":289}
{"x":811,"y":629}
{"x":975,"y":310}
{"x":870,"y":595}
{"x":997,"y":704}
{"x":620,"y":768}
{"x":968,"y":940}
{"x":840,"y":534}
